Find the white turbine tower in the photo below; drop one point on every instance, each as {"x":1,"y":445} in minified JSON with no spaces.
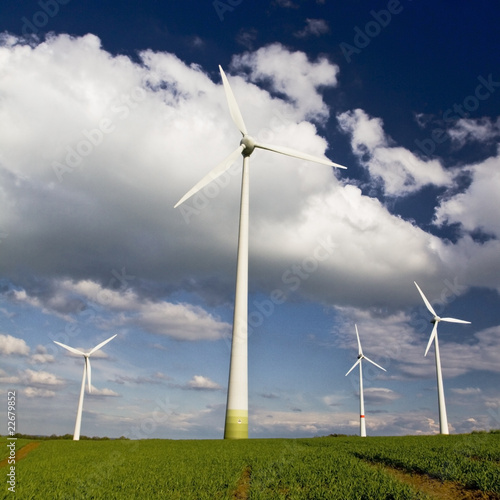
{"x":443,"y":419}
{"x":361,"y":356}
{"x":86,"y":374}
{"x":236,"y":425}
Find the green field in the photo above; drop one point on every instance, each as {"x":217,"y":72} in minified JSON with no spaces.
{"x":318,"y":468}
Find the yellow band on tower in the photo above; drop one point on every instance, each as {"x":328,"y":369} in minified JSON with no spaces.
{"x":236,"y":424}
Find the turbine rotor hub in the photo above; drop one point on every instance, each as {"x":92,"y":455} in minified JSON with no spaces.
{"x":249,"y":143}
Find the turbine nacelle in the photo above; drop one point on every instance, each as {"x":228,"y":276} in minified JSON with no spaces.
{"x":249,"y":143}
{"x":436,"y":319}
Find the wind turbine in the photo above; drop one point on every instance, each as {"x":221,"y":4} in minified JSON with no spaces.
{"x":361,"y":356}
{"x":86,"y":374}
{"x":236,"y":424}
{"x":443,"y":420}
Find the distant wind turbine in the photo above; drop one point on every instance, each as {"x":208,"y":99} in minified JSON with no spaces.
{"x":86,"y":374}
{"x":443,"y":420}
{"x":361,"y":356}
{"x":236,"y":425}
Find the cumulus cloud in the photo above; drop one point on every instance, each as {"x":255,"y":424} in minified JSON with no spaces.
{"x":398,"y":170}
{"x":40,"y":378}
{"x":201,"y":383}
{"x":6,"y":378}
{"x":181,"y":322}
{"x":12,"y":345}
{"x":41,"y":356}
{"x":178,"y":321}
{"x":104,"y":392}
{"x":467,"y":391}
{"x":314,"y":27}
{"x":475,"y":208}
{"x":291,"y":74}
{"x":466,"y":130}
{"x":380,"y":395}
{"x":114,"y":143}
{"x":152,"y":114}
{"x":34,"y":392}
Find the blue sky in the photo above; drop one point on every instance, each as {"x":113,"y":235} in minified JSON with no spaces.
{"x":110,"y":112}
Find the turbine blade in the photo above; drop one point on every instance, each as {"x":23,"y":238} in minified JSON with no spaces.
{"x":454,"y":320}
{"x":360,"y":351}
{"x":87,"y":365}
{"x":72,"y":349}
{"x":297,"y":154}
{"x":431,"y":338}
{"x":353,"y":366}
{"x":233,"y":105}
{"x":97,"y":347}
{"x":373,"y":363}
{"x":213,"y":174}
{"x":426,"y":302}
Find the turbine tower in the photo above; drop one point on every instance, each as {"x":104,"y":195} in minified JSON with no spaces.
{"x":361,"y":356}
{"x":86,"y":374}
{"x":443,"y":420}
{"x":236,"y":425}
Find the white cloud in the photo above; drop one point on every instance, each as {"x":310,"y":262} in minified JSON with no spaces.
{"x":399,"y":170}
{"x":6,"y":378}
{"x":103,"y":392}
{"x":199,"y":382}
{"x":41,"y":378}
{"x":466,"y":130}
{"x":476,"y":208}
{"x":41,"y":356}
{"x":467,"y":391}
{"x":34,"y":392}
{"x":172,"y":120}
{"x":13,"y":345}
{"x":287,"y":4}
{"x":380,"y":395}
{"x":49,"y":307}
{"x":291,"y":74}
{"x":315,"y":27}
{"x":179,"y":321}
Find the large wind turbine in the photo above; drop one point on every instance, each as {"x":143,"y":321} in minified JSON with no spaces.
{"x":86,"y":374}
{"x":443,"y":420}
{"x":236,"y":425}
{"x":361,"y":356}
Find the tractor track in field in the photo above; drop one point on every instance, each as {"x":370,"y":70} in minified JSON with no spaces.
{"x":243,"y":486}
{"x":21,"y":453}
{"x":435,"y":488}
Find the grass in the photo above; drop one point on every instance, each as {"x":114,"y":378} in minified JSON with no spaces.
{"x":317,"y":468}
